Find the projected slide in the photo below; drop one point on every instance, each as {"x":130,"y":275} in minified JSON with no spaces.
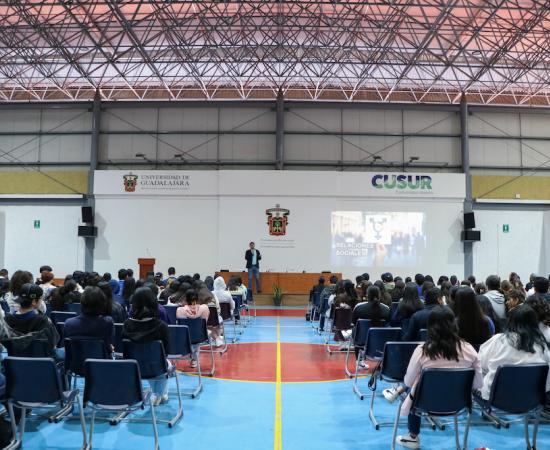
{"x":377,"y":239}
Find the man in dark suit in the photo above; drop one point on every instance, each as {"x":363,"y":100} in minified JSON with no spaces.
{"x":253,"y":257}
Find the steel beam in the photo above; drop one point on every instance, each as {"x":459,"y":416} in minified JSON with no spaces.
{"x":465,"y":153}
{"x":280,"y":131}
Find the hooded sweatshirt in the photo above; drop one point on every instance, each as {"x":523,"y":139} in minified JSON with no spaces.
{"x":221,"y":293}
{"x":498,"y":302}
{"x":146,"y":330}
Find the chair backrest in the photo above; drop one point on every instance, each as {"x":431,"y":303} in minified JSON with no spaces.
{"x":36,"y":348}
{"x":423,"y":334}
{"x":316,"y":298}
{"x":197,"y":329}
{"x":360,"y":332}
{"x":171,"y":313}
{"x":225,"y":309}
{"x":213,"y":318}
{"x":61,"y":316}
{"x":149,"y":355}
{"x":377,"y":338}
{"x":444,"y":392}
{"x":238,"y":299}
{"x":74,"y":307}
{"x":77,"y":351}
{"x":519,"y":389}
{"x":396,"y":359}
{"x":32,"y":380}
{"x":342,"y":318}
{"x":112,"y":382}
{"x":180,"y":341}
{"x":119,"y":327}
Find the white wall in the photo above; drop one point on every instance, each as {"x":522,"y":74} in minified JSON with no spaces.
{"x":55,"y":243}
{"x":521,"y":250}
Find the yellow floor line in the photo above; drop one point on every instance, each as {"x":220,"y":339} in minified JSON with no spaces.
{"x":277,"y":441}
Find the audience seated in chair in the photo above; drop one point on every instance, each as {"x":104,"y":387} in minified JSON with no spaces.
{"x":145,"y":326}
{"x":193,"y":309}
{"x":419,"y":320}
{"x":90,"y":323}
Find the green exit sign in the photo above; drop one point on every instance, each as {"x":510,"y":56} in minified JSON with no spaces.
{"x":505,"y":228}
{"x":37,"y":224}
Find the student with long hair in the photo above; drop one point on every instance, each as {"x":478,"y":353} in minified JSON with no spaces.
{"x":385,"y":297}
{"x":542,"y":309}
{"x":113,"y":309}
{"x":65,"y":295}
{"x":473,"y":326}
{"x":522,"y":343}
{"x":513,"y":298}
{"x":443,"y":349}
{"x":372,"y":309}
{"x":145,"y":326}
{"x":193,"y":309}
{"x":408,"y":305}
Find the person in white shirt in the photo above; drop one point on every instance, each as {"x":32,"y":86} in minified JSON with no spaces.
{"x":522,"y":343}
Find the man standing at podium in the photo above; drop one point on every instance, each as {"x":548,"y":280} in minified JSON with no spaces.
{"x":253,"y":257}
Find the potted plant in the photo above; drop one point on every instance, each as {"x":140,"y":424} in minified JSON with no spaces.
{"x":277,"y":295}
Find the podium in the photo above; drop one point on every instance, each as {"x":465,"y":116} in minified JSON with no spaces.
{"x":146,"y":265}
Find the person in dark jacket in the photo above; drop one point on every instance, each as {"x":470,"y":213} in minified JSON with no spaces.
{"x":145,"y":326}
{"x":27,"y":320}
{"x":419,"y":320}
{"x":408,"y":305}
{"x":253,"y":257}
{"x":64,"y":295}
{"x":90,"y":323}
{"x":323,"y":300}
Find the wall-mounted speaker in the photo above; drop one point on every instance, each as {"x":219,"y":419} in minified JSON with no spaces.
{"x":87,"y":215}
{"x":471,"y":235}
{"x":87,"y":231}
{"x":469,"y":221}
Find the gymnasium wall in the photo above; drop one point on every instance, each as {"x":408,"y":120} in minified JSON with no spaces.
{"x":55,"y":242}
{"x":208,"y":226}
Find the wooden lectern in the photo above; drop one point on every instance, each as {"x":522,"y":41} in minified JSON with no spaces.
{"x":146,"y":265}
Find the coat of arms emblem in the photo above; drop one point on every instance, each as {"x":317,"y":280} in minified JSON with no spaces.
{"x":130,"y":182}
{"x":277,"y":219}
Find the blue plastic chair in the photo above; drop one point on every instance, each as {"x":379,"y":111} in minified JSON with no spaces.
{"x":37,"y":348}
{"x":423,"y":334}
{"x":359,"y":336}
{"x":341,"y":321}
{"x":374,"y":350}
{"x":171,"y":313}
{"x":214,"y":321}
{"x":225,"y":312}
{"x":118,"y":327}
{"x":74,"y":307}
{"x":115,"y":386}
{"x":393,"y":369}
{"x":23,"y":391}
{"x":199,"y":336}
{"x":433,"y":397}
{"x":517,"y":390}
{"x":61,"y":316}
{"x":179,"y":348}
{"x":77,"y":351}
{"x":153,"y":366}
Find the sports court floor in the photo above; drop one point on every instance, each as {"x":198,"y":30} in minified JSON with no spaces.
{"x":276,"y":389}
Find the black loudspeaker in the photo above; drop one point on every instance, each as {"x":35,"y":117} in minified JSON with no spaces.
{"x":87,"y":231}
{"x":469,"y":221}
{"x":87,"y":215}
{"x":471,"y":235}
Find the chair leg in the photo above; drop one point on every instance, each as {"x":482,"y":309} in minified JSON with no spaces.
{"x":467,"y":430}
{"x":15,"y":441}
{"x":179,"y":414}
{"x":371,"y":411}
{"x":526,"y":431}
{"x":536,"y":430}
{"x":82,"y":423}
{"x":91,"y":430}
{"x":457,"y":439}
{"x":346,"y":369}
{"x":358,"y":392}
{"x":154,"y":421}
{"x":395,"y":425}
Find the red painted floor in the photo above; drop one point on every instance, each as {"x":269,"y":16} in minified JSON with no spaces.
{"x":281,"y":312}
{"x":257,"y":362}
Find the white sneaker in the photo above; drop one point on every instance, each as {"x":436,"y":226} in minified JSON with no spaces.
{"x":164,"y":399}
{"x":390,"y":394}
{"x":155,"y":399}
{"x":219,"y":342}
{"x":363,"y":366}
{"x":408,"y":441}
